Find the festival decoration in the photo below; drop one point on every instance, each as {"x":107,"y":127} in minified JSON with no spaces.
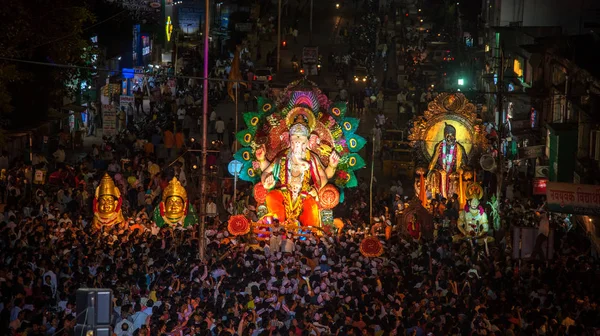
{"x":300,"y":151}
{"x":107,"y":204}
{"x":472,"y":220}
{"x":494,"y":204}
{"x":260,"y":193}
{"x":174,"y":209}
{"x":371,"y":247}
{"x":238,"y":225}
{"x":329,"y":197}
{"x":446,"y":138}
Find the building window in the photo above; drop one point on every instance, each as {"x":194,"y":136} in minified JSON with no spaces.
{"x":595,"y":145}
{"x":558,"y":75}
{"x":557,"y":107}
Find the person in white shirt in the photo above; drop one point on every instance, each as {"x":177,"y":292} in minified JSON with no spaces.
{"x":543,"y":233}
{"x":211,"y":208}
{"x":180,"y":175}
{"x":181,"y":115}
{"x":60,"y":155}
{"x":220,"y":128}
{"x":212,"y":120}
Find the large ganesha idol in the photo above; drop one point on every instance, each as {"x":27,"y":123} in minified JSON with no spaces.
{"x":300,"y":152}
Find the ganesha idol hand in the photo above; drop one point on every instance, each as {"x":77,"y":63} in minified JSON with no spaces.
{"x":334,"y":159}
{"x":260,"y":153}
{"x":269,"y":182}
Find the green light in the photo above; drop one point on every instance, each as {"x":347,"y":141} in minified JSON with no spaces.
{"x":461,"y":82}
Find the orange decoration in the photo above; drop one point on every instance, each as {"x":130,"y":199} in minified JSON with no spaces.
{"x":371,"y":247}
{"x":338,"y":223}
{"x":238,"y":225}
{"x":260,"y":193}
{"x":329,"y":197}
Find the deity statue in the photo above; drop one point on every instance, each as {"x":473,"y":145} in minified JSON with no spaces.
{"x":300,"y":152}
{"x":107,"y":204}
{"x":472,"y":220}
{"x":447,"y":158}
{"x":295,"y":176}
{"x":174,"y":209}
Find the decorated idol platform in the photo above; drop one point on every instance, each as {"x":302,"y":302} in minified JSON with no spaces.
{"x":300,"y":152}
{"x":449,"y":141}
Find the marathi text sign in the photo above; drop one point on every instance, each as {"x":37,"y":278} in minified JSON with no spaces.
{"x":109,"y":120}
{"x":124,"y":101}
{"x":531,"y":152}
{"x":582,"y":199}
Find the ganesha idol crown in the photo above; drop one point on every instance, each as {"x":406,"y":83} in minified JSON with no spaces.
{"x":174,"y":189}
{"x":299,"y":129}
{"x":107,"y":187}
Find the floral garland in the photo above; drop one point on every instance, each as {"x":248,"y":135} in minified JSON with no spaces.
{"x":447,"y":156}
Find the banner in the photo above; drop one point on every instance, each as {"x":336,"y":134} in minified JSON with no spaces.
{"x":531,"y":152}
{"x":109,"y":120}
{"x":124,"y":101}
{"x":581,"y":199}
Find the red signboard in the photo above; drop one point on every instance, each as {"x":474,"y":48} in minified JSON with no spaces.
{"x":539,"y":186}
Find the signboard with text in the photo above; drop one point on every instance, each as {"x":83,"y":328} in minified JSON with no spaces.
{"x":109,"y":120}
{"x":581,"y":199}
{"x":531,"y":152}
{"x":124,"y":101}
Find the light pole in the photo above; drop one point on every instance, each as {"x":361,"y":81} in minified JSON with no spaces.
{"x":279,"y":34}
{"x":201,"y":241}
{"x":311,"y":21}
{"x":235,"y":168}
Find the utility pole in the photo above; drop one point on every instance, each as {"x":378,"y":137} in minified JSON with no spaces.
{"x":202,"y":211}
{"x":278,"y":35}
{"x":499,"y":102}
{"x":311,"y":23}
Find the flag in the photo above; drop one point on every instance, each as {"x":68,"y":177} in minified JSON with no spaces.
{"x":235,"y":74}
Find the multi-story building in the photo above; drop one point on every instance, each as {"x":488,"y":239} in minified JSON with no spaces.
{"x":540,"y":50}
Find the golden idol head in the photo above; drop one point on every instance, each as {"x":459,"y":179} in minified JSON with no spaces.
{"x":107,"y":204}
{"x":107,"y":196}
{"x":174,"y":207}
{"x":174,"y":199}
{"x":174,"y":189}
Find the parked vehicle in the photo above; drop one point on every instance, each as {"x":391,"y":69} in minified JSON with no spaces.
{"x":263,"y":75}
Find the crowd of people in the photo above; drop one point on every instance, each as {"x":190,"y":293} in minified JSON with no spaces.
{"x":313,"y":286}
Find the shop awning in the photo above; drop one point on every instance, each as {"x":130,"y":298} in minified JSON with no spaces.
{"x":74,"y":108}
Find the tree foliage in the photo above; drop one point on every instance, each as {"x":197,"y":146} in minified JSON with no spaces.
{"x":41,"y":31}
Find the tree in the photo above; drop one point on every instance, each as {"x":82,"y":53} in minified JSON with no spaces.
{"x":46,"y":33}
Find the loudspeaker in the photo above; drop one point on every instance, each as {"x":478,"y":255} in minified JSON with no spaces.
{"x":94,"y":306}
{"x":83,"y":330}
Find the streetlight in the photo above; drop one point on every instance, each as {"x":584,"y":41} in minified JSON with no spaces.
{"x":234,"y":167}
{"x":461,"y":82}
